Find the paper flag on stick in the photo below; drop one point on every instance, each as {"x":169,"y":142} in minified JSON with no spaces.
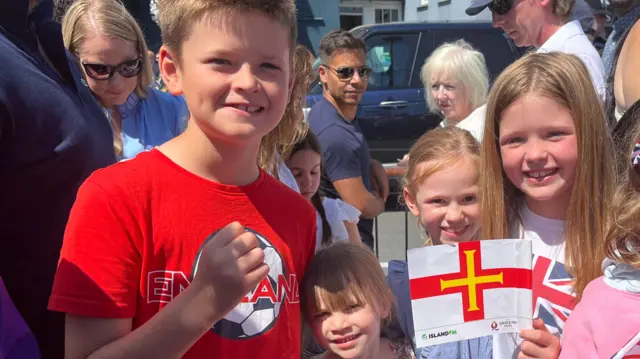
{"x":470,"y":290}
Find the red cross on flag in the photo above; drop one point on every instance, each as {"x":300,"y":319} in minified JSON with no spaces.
{"x":470,"y":290}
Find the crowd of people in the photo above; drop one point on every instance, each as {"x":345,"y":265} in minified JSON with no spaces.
{"x":213,"y":220}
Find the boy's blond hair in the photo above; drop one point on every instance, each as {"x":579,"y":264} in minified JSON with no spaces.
{"x":177,"y":17}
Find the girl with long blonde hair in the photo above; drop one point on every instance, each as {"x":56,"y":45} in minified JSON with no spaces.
{"x":547,"y":175}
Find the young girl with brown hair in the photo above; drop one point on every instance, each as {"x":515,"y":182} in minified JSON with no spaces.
{"x":337,"y":220}
{"x":346,"y":302}
{"x":547,"y":172}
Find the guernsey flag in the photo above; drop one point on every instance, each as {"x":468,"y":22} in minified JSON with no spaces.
{"x":470,"y":290}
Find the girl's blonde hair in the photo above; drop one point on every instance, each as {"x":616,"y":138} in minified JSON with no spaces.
{"x":564,"y":79}
{"x":622,"y":243}
{"x":88,"y":18}
{"x":291,"y":129}
{"x":341,"y":275}
{"x":437,"y":149}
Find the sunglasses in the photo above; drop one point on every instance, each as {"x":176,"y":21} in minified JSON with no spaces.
{"x":346,"y":73}
{"x":129,"y":68}
{"x":501,"y":7}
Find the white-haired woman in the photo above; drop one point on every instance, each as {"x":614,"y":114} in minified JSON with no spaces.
{"x":113,"y":55}
{"x":456,"y":82}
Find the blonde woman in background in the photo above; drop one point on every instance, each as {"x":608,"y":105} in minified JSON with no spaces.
{"x":456,"y":82}
{"x":112,"y":53}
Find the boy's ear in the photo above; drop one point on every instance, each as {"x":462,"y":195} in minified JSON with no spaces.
{"x":170,"y":70}
{"x":411,"y":202}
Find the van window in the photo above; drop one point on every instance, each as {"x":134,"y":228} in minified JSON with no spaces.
{"x":390,"y":56}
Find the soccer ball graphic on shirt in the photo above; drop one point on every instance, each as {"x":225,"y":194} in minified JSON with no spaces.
{"x":251,"y":318}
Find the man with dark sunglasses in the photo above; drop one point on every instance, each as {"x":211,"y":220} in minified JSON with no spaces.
{"x":52,"y":136}
{"x":547,"y":25}
{"x":348,"y":172}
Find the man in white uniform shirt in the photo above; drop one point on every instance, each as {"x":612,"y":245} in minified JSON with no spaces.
{"x":546,"y":25}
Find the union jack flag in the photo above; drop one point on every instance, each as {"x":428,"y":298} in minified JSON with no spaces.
{"x":636,"y":154}
{"x":553,"y":299}
{"x":634,"y":353}
{"x":631,"y":350}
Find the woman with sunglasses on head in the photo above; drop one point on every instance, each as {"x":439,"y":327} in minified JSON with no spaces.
{"x":112,"y":54}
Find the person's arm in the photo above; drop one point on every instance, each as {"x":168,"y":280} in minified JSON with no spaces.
{"x":230,"y":265}
{"x":630,"y":86}
{"x":578,"y":332}
{"x":353,"y":191}
{"x":168,"y":334}
{"x":353,"y":232}
{"x":98,"y":278}
{"x":341,"y":163}
{"x":380,"y":178}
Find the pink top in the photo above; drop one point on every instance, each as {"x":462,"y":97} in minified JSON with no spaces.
{"x":602,"y":323}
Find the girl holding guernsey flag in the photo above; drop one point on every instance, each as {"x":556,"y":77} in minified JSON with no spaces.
{"x":440,"y":190}
{"x":547,"y":174}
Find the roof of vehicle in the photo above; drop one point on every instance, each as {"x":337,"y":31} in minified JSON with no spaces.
{"x":418,"y":26}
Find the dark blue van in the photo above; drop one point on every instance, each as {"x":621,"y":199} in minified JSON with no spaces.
{"x":393,"y":112}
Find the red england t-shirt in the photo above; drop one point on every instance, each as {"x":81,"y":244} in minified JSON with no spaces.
{"x":134,"y":236}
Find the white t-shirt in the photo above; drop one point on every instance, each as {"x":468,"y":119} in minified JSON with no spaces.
{"x":552,"y":290}
{"x":336,"y":211}
{"x":571,"y":39}
{"x":285,"y":176}
{"x":474,"y":123}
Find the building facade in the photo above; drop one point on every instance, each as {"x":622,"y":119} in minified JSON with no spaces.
{"x":442,"y":11}
{"x":318,"y":17}
{"x":315,"y":17}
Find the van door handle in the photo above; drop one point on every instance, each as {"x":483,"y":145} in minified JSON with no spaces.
{"x":394,"y":104}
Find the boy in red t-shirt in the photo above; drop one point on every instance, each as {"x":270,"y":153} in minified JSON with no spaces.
{"x":190,"y":250}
